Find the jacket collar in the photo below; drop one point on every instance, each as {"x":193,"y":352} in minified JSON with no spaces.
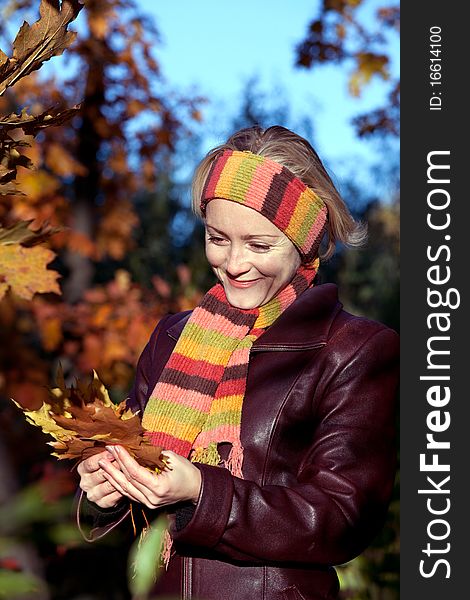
{"x":304,"y":324}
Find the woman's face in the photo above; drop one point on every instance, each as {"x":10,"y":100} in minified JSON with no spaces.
{"x":251,"y":257}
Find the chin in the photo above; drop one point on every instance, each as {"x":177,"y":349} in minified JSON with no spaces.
{"x":244,"y":302}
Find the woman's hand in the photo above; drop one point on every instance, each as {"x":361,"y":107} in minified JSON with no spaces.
{"x":180,"y":481}
{"x":94,"y":482}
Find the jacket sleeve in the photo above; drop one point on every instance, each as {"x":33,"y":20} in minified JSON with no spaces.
{"x":338,"y":500}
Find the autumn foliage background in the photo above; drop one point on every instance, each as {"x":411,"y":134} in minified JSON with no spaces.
{"x":97,"y":243}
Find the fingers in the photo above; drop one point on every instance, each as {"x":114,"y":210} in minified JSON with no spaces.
{"x":181,"y":481}
{"x":104,"y":494}
{"x":91,"y":464}
{"x":170,"y":458}
{"x":110,"y":500}
{"x":131,"y":468}
{"x":93,"y":482}
{"x":97,"y":492}
{"x":134,"y":481}
{"x":119,"y":481}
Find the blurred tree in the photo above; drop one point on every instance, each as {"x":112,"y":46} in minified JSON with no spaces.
{"x":120,"y":143}
{"x":23,"y":271}
{"x":340,"y":35}
{"x":370,"y":276}
{"x":77,"y":182}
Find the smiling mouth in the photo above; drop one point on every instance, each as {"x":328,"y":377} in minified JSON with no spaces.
{"x":238,"y":283}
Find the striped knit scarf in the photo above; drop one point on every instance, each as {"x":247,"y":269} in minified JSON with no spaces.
{"x":197,"y":402}
{"x":198,"y":399}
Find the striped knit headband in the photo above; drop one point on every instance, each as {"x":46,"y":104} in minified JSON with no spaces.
{"x":272,"y":190}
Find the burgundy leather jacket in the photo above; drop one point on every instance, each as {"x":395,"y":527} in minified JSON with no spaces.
{"x":319,"y":458}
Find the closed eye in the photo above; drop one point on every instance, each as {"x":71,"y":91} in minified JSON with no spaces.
{"x":260,"y":247}
{"x":215,"y":239}
{"x":221,"y":241}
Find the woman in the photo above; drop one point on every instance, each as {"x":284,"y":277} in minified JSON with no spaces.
{"x":275,"y":407}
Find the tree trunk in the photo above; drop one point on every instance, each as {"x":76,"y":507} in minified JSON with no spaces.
{"x":87,"y":187}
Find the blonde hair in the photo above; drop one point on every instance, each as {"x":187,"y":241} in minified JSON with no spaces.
{"x":296,"y":154}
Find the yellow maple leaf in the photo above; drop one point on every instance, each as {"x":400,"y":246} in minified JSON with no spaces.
{"x":42,"y":418}
{"x":24,"y":270}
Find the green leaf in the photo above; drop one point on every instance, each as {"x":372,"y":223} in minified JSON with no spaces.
{"x":65,"y":534}
{"x":29,"y":506}
{"x":144,"y":559}
{"x":13,"y":584}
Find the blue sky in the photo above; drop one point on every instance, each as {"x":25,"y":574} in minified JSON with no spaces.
{"x":212,"y":47}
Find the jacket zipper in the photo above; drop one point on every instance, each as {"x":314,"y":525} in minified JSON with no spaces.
{"x":187,"y":577}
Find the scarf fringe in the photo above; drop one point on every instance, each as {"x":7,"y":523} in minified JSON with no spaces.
{"x":235,"y":460}
{"x":166,"y":549}
{"x":206,"y":456}
{"x":211,"y":456}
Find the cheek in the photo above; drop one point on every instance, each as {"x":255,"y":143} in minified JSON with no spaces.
{"x":285,"y":274}
{"x":214,"y":255}
{"x":279,"y":269}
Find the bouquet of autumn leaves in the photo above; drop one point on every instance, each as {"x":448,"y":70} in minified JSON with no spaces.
{"x":82,"y":420}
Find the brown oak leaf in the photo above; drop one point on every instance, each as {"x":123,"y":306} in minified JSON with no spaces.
{"x":36,"y":43}
{"x":31,"y":124}
{"x":20,"y":233}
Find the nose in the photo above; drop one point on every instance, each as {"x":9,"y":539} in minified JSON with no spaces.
{"x":237,"y":262}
